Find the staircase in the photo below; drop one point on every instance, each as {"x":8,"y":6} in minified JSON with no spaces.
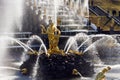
{"x":96,"y":10}
{"x":100,"y":12}
{"x":70,"y":20}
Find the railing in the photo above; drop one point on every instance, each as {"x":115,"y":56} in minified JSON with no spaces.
{"x":97,"y":10}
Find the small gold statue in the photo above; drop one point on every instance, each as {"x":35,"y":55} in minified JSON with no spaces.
{"x":75,"y":72}
{"x":53,"y":37}
{"x":58,"y":21}
{"x":24,"y":70}
{"x":43,"y":30}
{"x":32,"y":52}
{"x":101,"y":75}
{"x":75,"y":52}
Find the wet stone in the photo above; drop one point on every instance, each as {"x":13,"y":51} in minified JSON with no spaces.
{"x":58,"y":66}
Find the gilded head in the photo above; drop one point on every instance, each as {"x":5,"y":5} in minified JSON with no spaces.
{"x":106,"y":69}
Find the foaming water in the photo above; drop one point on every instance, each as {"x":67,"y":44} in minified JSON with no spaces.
{"x":98,"y":44}
{"x":10,"y":20}
{"x":11,"y":13}
{"x":36,"y":66}
{"x":41,"y":50}
{"x":96,"y":47}
{"x":35,"y":69}
{"x":106,"y":44}
{"x":23,"y":45}
{"x":104,"y":38}
{"x":76,"y":42}
{"x":29,"y":43}
{"x":35,"y":37}
{"x":69,"y":44}
{"x":81,"y":39}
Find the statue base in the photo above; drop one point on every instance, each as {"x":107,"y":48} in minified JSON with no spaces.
{"x":57,"y":66}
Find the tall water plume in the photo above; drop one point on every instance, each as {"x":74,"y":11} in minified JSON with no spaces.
{"x":11,"y":18}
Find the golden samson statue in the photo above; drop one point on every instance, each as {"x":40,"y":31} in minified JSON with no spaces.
{"x":53,"y":36}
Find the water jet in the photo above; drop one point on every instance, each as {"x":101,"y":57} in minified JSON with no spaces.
{"x":55,"y":63}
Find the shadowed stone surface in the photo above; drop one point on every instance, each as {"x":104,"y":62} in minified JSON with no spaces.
{"x":57,"y":66}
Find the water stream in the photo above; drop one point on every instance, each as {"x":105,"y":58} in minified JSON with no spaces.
{"x":103,"y":45}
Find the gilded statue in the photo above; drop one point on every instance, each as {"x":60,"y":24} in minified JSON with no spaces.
{"x":101,"y":75}
{"x":53,"y":36}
